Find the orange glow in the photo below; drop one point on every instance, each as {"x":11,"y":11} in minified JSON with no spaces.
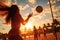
{"x":29,"y":26}
{"x":26,"y":28}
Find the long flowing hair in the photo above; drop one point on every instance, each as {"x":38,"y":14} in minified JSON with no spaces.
{"x":12,"y":11}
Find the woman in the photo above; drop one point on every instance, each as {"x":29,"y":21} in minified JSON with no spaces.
{"x":15,"y":18}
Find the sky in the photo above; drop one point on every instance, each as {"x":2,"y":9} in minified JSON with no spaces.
{"x":28,"y":6}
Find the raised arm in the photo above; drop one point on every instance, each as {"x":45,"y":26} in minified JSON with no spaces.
{"x":25,"y":21}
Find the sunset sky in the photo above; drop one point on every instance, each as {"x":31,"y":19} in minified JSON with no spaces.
{"x":28,"y":6}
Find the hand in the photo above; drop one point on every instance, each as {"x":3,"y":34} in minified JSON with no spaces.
{"x":29,"y":15}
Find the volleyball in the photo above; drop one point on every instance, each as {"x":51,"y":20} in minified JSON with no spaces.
{"x":39,"y":9}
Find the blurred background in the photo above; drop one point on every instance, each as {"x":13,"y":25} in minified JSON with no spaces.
{"x":47,"y":27}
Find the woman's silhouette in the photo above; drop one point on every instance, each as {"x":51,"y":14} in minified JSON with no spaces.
{"x":15,"y":18}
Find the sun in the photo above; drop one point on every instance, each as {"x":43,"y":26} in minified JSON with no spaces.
{"x":26,"y":28}
{"x":29,"y":26}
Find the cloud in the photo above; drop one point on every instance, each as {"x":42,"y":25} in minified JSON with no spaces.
{"x":53,"y":1}
{"x":57,"y":14}
{"x":14,"y":2}
{"x":39,"y":16}
{"x":34,"y":11}
{"x":48,"y":21}
{"x":32,"y":1}
{"x":54,"y":9}
{"x":24,"y":7}
{"x":23,"y":10}
{"x":46,"y":11}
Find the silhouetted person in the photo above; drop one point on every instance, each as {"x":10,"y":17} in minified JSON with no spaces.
{"x":15,"y":19}
{"x":55,"y":22}
{"x":4,"y":36}
{"x":44,"y":29}
{"x":39,"y":31}
{"x":54,"y":30}
{"x":35,"y":33}
{"x":48,"y":25}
